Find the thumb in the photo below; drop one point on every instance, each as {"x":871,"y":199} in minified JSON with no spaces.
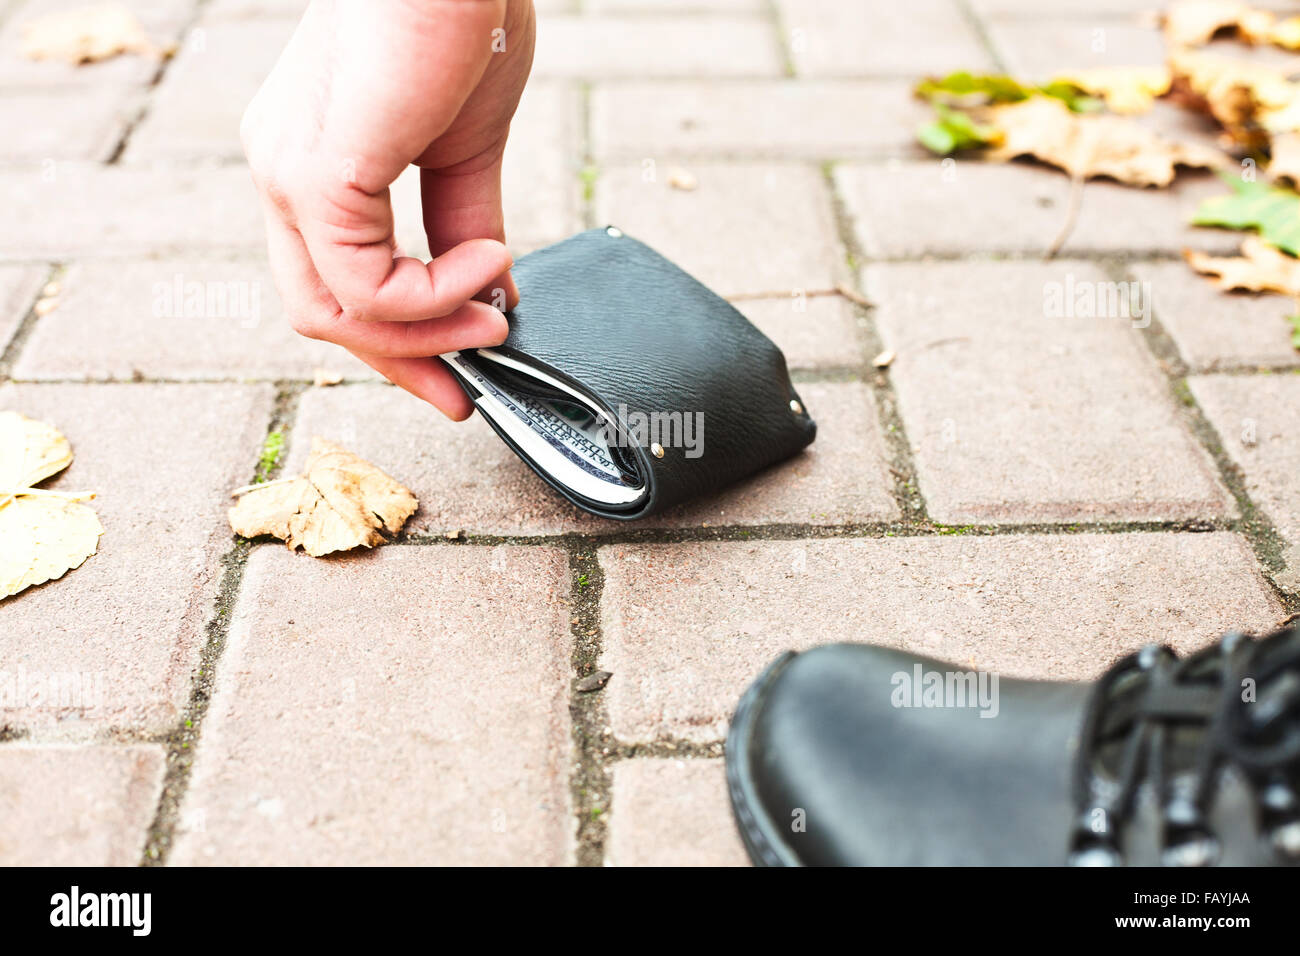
{"x":463,"y":202}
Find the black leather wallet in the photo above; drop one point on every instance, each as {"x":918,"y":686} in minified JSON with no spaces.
{"x":629,"y":386}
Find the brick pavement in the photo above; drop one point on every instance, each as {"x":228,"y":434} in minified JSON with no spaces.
{"x":1023,"y":489}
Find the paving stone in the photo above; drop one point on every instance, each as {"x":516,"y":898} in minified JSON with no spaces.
{"x":776,"y":118}
{"x":64,"y":124}
{"x":163,"y":21}
{"x":1217,"y":330}
{"x":672,"y":813}
{"x":466,"y":478}
{"x":1038,"y":50}
{"x":77,"y":806}
{"x":963,"y":207}
{"x":174,"y":319}
{"x":815,"y":333}
{"x":196,"y":109}
{"x":657,"y":46}
{"x":19,"y":287}
{"x":66,"y":210}
{"x":217,"y":10}
{"x":1017,"y":412}
{"x":746,"y":228}
{"x":830,"y":38}
{"x":539,"y":178}
{"x":1258,"y":420}
{"x":162,"y":460}
{"x":413,"y":710}
{"x":687,"y":626}
{"x":1136,"y":10}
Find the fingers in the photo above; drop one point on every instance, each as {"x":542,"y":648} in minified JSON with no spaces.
{"x":315,"y":313}
{"x":426,"y":378}
{"x":474,"y":325}
{"x":462,"y":202}
{"x":349,"y":238}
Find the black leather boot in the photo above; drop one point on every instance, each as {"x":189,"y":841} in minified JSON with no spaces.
{"x":857,"y":755}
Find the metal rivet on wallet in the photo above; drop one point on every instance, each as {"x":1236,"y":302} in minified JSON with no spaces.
{"x":657,"y":450}
{"x":795,"y":406}
{"x":614,"y":232}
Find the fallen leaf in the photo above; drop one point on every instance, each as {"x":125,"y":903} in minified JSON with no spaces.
{"x":42,"y":538}
{"x":1088,"y":146}
{"x":1284,"y":163}
{"x":1259,"y":268}
{"x":1195,"y":22}
{"x":43,"y":534}
{"x":1272,"y":211}
{"x":681,"y":179}
{"x":967,"y":89}
{"x":1124,"y":89}
{"x":342,"y":502}
{"x":952,"y":130}
{"x":1249,"y":100}
{"x":1286,"y":33}
{"x":87,"y":34}
{"x":30,"y":452}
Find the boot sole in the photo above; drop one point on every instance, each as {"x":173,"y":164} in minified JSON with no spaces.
{"x":761,"y":834}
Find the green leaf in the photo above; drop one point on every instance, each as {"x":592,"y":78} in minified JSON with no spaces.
{"x":1295,"y":331}
{"x":935,"y":137}
{"x":1272,"y":211}
{"x":952,"y":130}
{"x":999,"y":88}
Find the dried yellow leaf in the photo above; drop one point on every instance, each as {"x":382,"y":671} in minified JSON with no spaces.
{"x":1089,"y":145}
{"x":1125,"y":89}
{"x":30,"y":451}
{"x":1285,"y":161}
{"x":43,"y":534}
{"x":87,"y":34}
{"x":42,"y":537}
{"x":1245,"y":98}
{"x":342,"y":502}
{"x":1259,"y":268}
{"x":682,"y":179}
{"x":1195,"y":22}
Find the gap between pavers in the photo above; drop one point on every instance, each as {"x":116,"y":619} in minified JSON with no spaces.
{"x":175,"y":318}
{"x":1022,"y":404}
{"x":468,"y":480}
{"x":833,"y":38}
{"x":1258,"y":421}
{"x":403,"y":706}
{"x":752,"y":228}
{"x":653,"y":46}
{"x":162,"y":461}
{"x":686,"y":626}
{"x":76,"y":806}
{"x":966,"y":207}
{"x":19,"y":287}
{"x":785,"y":118}
{"x":71,"y":210}
{"x":668,"y":812}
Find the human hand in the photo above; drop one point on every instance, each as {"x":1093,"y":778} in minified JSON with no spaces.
{"x":363,"y":90}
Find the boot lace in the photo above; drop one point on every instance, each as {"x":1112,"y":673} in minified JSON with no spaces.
{"x":1176,"y":725}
